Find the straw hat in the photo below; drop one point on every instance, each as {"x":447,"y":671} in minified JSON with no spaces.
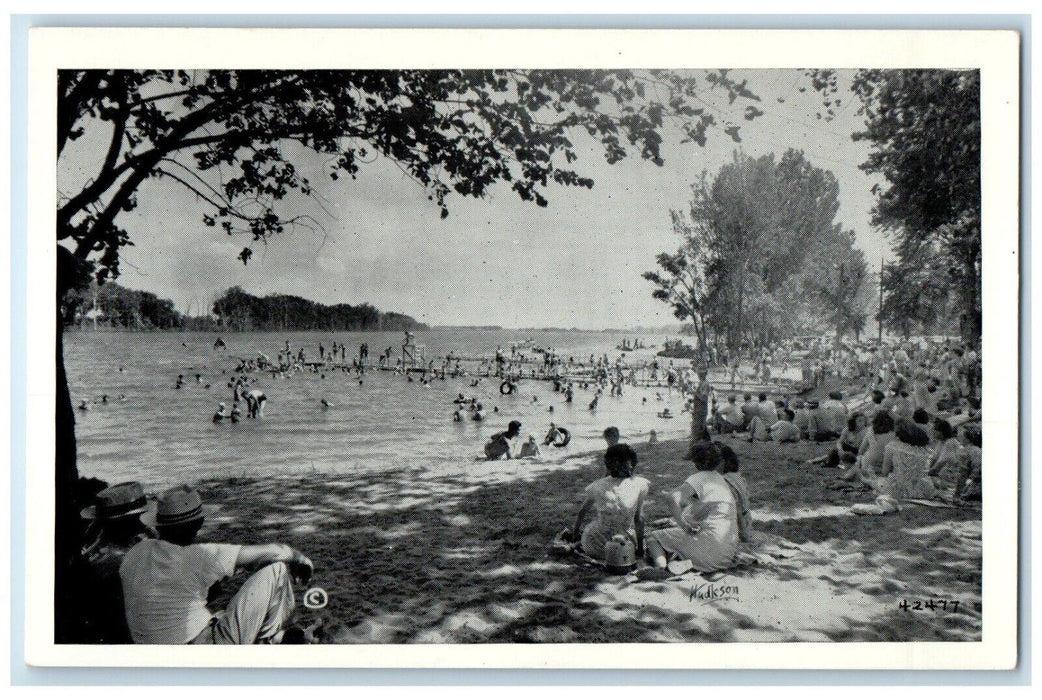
{"x":181,"y":504}
{"x":119,"y":501}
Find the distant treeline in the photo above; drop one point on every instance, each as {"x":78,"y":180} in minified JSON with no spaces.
{"x":111,"y":306}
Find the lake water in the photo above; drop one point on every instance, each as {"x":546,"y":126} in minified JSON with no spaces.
{"x":161,"y":435}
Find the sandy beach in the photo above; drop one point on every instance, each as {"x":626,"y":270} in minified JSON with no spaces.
{"x":465,"y":556}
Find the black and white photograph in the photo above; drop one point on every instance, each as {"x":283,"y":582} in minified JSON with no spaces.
{"x":356,"y":348}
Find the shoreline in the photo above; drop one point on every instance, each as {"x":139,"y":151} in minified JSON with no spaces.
{"x":465,"y":556}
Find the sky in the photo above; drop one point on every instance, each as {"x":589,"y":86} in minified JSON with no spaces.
{"x":496,"y":260}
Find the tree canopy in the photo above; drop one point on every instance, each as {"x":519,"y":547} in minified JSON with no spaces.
{"x":924,"y":129}
{"x":761,"y":255}
{"x":225,"y":136}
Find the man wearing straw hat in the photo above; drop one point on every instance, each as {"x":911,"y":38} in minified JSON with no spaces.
{"x":115,"y":527}
{"x":166,"y":582}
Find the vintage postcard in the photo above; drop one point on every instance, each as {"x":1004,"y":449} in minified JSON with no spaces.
{"x":489,"y":348}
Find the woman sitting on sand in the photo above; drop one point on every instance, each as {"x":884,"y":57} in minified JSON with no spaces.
{"x":869,"y":462}
{"x":905,"y":460}
{"x":616,"y":501}
{"x":729,"y":466}
{"x":947,"y":453}
{"x":968,"y":482}
{"x":706,"y":515}
{"x":848,"y":444}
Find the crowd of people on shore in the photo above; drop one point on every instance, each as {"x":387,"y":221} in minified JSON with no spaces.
{"x":907,"y":425}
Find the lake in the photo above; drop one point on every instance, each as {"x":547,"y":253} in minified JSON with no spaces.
{"x":160,"y":435}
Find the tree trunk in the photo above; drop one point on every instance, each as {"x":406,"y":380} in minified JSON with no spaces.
{"x":66,"y":514}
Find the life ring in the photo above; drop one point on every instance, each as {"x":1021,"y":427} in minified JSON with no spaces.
{"x":507,"y":387}
{"x":563,"y":437}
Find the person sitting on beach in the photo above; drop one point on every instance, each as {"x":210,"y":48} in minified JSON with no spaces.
{"x":616,"y":501}
{"x":903,"y":473}
{"x":498,"y":446}
{"x":220,"y":414}
{"x":968,"y":481}
{"x":167,"y":581}
{"x":820,"y":428}
{"x":477,"y":412}
{"x":802,"y":418}
{"x":947,"y":455}
{"x":729,"y":466}
{"x":835,"y":411}
{"x":749,"y":409}
{"x":869,"y":462}
{"x":730,"y":418}
{"x":766,"y":411}
{"x":785,"y":429}
{"x":874,"y":404}
{"x":529,"y":448}
{"x":236,"y":413}
{"x":706,"y":533}
{"x":847,"y":446}
{"x":115,"y":527}
{"x":904,"y":470}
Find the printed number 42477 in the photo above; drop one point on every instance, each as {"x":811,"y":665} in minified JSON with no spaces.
{"x":933,"y":604}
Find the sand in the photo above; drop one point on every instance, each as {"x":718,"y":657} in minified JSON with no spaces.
{"x":465,"y":556}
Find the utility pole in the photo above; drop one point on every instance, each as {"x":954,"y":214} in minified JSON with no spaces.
{"x":882,"y":261}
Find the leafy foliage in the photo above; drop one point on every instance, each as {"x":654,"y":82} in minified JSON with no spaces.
{"x":760,"y":254}
{"x":924,"y":127}
{"x":227,"y":136}
{"x":240,"y":310}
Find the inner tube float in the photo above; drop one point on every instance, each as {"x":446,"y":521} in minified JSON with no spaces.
{"x":562,"y":438}
{"x":507,"y":387}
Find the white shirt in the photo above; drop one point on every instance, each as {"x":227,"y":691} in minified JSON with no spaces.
{"x":165,"y":588}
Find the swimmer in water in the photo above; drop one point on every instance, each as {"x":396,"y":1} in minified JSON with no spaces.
{"x":325,"y":404}
{"x":236,"y":413}
{"x":457,"y":417}
{"x":83,"y":406}
{"x":122,"y":397}
{"x":255,"y":400}
{"x":104,"y":398}
{"x":220,"y":415}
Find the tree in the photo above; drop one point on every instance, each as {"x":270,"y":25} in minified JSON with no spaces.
{"x":229,"y":138}
{"x":835,"y":279}
{"x":746,"y":240}
{"x":924,"y":127}
{"x":682,"y":283}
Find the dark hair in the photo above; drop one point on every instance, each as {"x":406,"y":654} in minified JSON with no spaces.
{"x":728,"y":459}
{"x":944,"y":428}
{"x":852,"y":421}
{"x":836,"y":395}
{"x":763,"y":397}
{"x":182,"y":534}
{"x":513,"y":427}
{"x":611,"y":432}
{"x":877,"y":396}
{"x":972,"y":433}
{"x":747,"y":396}
{"x":921,"y":416}
{"x":705,"y":455}
{"x":789,"y":414}
{"x":973,"y":402}
{"x":882,"y":422}
{"x":910,"y":433}
{"x":620,"y":460}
